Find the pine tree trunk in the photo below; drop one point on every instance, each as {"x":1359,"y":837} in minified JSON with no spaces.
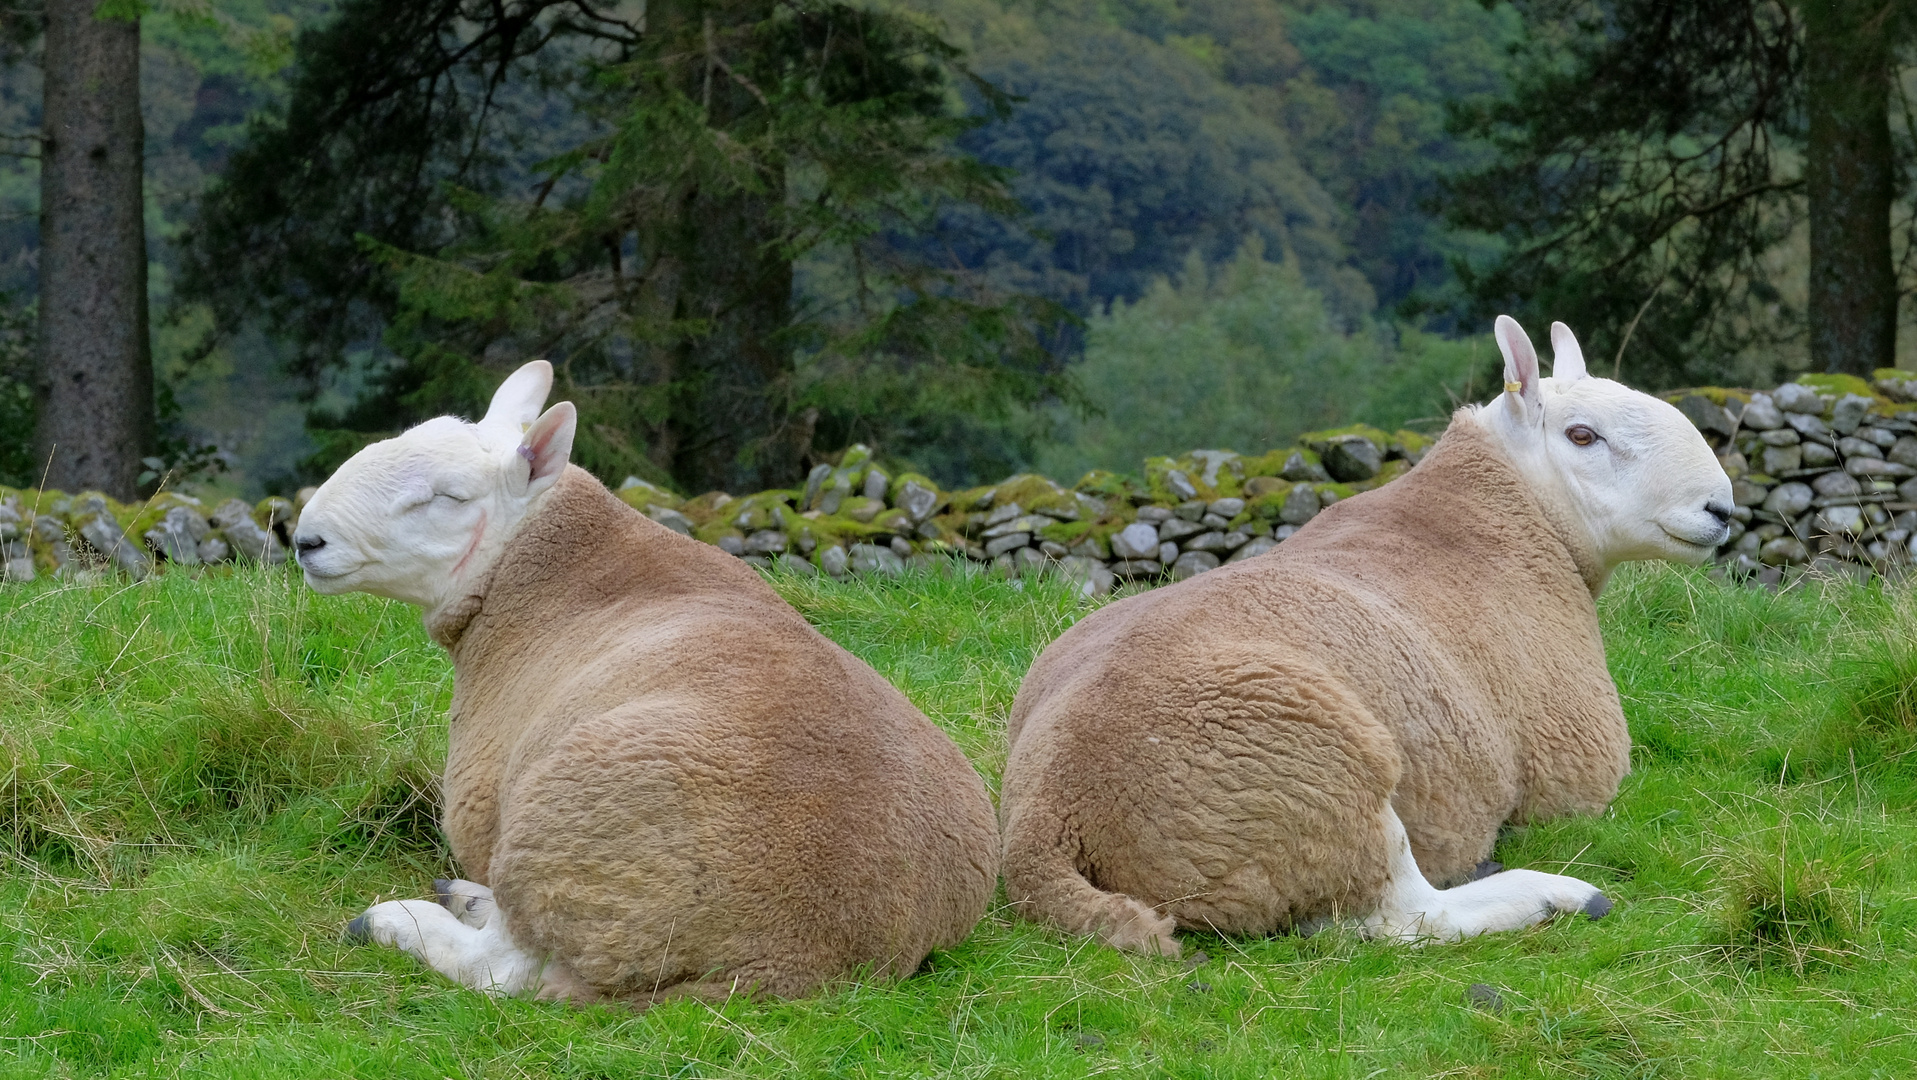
{"x":1849,"y":182}
{"x":96,"y":367}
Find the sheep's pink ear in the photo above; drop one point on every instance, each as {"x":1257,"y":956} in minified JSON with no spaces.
{"x":1520,"y":366}
{"x":518,"y":400}
{"x":548,"y":445}
{"x":1567,"y":359}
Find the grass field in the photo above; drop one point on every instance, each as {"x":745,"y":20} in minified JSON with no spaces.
{"x":204,"y":780}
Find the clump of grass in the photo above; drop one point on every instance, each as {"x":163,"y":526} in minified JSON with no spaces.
{"x":1789,"y":906}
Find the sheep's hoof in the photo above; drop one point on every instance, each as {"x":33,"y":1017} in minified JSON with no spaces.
{"x":443,"y":891}
{"x":1598,"y":906}
{"x":358,"y":932}
{"x":1485,"y":869}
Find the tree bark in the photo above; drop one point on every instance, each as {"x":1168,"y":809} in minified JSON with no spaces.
{"x":96,"y":367}
{"x":1849,"y":180}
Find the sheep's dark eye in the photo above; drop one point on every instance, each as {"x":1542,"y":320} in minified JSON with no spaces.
{"x":449,"y":496}
{"x":1580,"y":435}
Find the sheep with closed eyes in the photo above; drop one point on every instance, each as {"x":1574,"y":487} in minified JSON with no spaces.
{"x":1338,"y":729}
{"x":660,"y":780}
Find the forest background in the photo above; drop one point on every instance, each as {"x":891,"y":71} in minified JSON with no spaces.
{"x":1240,"y":219}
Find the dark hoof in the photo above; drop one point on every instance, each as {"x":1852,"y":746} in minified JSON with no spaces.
{"x":1485,"y":869}
{"x":443,"y":891}
{"x":1598,"y":906}
{"x":1484,"y":996}
{"x":1196,"y":960}
{"x":357,"y":932}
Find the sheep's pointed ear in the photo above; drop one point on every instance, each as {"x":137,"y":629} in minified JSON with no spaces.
{"x":548,"y":445}
{"x":1520,"y":367}
{"x":1567,"y":359}
{"x":518,"y":400}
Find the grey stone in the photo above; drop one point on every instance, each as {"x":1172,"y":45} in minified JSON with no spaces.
{"x":1215,"y":521}
{"x":792,"y":564}
{"x":917,"y":500}
{"x":876,"y":483}
{"x":1878,"y":467}
{"x":1849,"y":412}
{"x":1167,"y":552}
{"x":1192,"y":564}
{"x":1733,"y":463}
{"x":1053,"y":549}
{"x":1904,"y":451}
{"x":759,"y":561}
{"x":1214,"y":460}
{"x":814,"y":486}
{"x":671,"y":519}
{"x":834,"y":561}
{"x":900,"y":546}
{"x":214,"y":550}
{"x":1851,"y":446}
{"x":177,"y":536}
{"x":1003,"y":566}
{"x":1808,"y":425}
{"x":1284,"y":532}
{"x":229,"y":513}
{"x":835,"y":495}
{"x":1782,"y":436}
{"x":873,"y":559}
{"x":1817,"y":455}
{"x":1907,"y":491}
{"x":1354,"y":458}
{"x":1762,"y":414}
{"x":1028,"y":523}
{"x":1207,"y":541}
{"x":1833,"y":484}
{"x":1091,"y":547}
{"x":1301,"y":505}
{"x":732,"y":544}
{"x":1135,"y":568}
{"x":1028,"y":562}
{"x":1301,"y":469}
{"x":1235,"y":540}
{"x":1003,"y":514}
{"x":1190,"y":510}
{"x":1010,"y":542}
{"x":1155,"y":514}
{"x":1180,"y":484}
{"x":1253,"y":548}
{"x":1093,"y":577}
{"x":103,"y":535}
{"x":15,"y":566}
{"x":765,"y":542}
{"x":1139,"y":540}
{"x":1782,"y":459}
{"x":1797,"y":398}
{"x":1882,"y":438}
{"x":1227,"y":508}
{"x":1177,"y":529}
{"x":1784,"y":550}
{"x":1705,"y":414}
{"x":1789,"y":499}
{"x":1840,"y":520}
{"x":251,"y":542}
{"x":1744,"y":493}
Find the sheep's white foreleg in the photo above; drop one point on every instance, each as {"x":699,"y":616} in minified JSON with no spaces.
{"x":482,"y":958}
{"x":1411,"y":910}
{"x":469,"y":901}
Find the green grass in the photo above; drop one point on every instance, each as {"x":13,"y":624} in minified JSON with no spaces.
{"x":201,"y":781}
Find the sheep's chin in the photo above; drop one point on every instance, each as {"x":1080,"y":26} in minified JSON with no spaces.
{"x":1685,"y":549}
{"x":330,"y":584}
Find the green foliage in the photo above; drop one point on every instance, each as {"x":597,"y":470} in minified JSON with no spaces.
{"x":16,"y":395}
{"x":202,"y":779}
{"x":1246,"y":356}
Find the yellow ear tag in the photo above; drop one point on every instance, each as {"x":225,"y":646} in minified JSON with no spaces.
{"x":1513,"y":387}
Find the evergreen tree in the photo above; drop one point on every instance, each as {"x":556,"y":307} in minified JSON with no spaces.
{"x":711,"y":246}
{"x":1655,"y":162}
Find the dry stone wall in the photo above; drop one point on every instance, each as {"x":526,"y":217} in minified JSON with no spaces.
{"x":1823,"y":471}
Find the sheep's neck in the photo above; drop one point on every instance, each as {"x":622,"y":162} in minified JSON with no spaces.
{"x":1539,"y":480}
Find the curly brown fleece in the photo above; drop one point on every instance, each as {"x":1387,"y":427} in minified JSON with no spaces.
{"x":1220,"y":751}
{"x":674,"y":784}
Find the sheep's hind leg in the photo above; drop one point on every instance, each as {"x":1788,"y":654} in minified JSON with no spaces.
{"x":469,"y":901}
{"x":483,"y":959}
{"x":1411,"y":910}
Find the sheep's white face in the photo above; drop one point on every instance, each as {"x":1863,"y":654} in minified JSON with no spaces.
{"x":1637,"y":476}
{"x":419,"y":516}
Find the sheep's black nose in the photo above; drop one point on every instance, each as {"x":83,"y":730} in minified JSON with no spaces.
{"x":1719,"y":511}
{"x":308,"y":544}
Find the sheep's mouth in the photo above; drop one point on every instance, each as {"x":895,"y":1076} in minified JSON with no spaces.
{"x":1718,"y":536}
